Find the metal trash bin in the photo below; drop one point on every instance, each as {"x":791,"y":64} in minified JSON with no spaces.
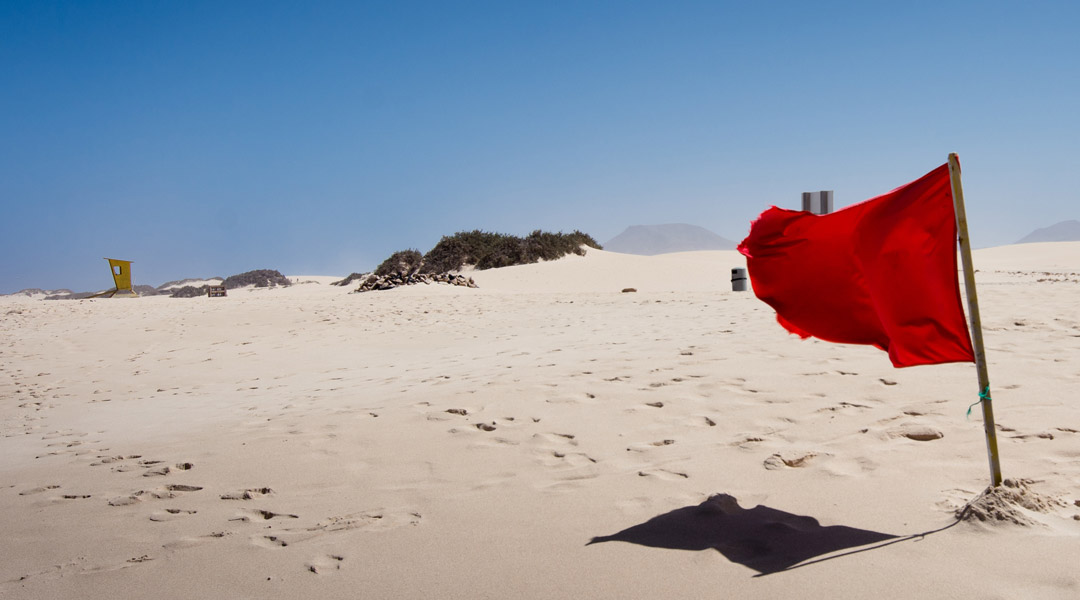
{"x":738,"y":280}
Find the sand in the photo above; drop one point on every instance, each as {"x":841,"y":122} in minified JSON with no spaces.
{"x":543,"y":436}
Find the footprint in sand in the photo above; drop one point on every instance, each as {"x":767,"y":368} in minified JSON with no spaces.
{"x":160,"y":471}
{"x":842,"y":406}
{"x":1044,"y":435}
{"x":447,"y":414}
{"x":566,"y":461}
{"x":107,"y":460}
{"x":38,"y":490}
{"x":190,"y":542}
{"x":548,"y":440}
{"x":748,"y":442}
{"x":790,"y":459}
{"x":154,"y":469}
{"x":375,"y":520}
{"x":915,"y":431}
{"x":643,"y":447}
{"x":259,"y":514}
{"x":850,"y":466}
{"x":177,"y":487}
{"x":248,"y":494}
{"x":170,"y":513}
{"x":127,"y":500}
{"x":269,"y":541}
{"x":325,"y":564}
{"x":122,"y":464}
{"x":161,"y":493}
{"x":52,"y":435}
{"x":664,"y":474}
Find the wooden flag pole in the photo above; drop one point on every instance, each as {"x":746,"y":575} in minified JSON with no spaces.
{"x":976,"y":322}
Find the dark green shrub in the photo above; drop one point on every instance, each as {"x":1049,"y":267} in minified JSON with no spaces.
{"x":488,"y":250}
{"x":404,"y":262}
{"x":463,"y":248}
{"x":189,"y":291}
{"x":258,"y":278}
{"x":351,"y":278}
{"x":506,"y":251}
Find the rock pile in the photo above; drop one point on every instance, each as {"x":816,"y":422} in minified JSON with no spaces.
{"x":393,"y":280}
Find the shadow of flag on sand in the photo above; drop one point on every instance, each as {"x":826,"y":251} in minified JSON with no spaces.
{"x":762,"y":538}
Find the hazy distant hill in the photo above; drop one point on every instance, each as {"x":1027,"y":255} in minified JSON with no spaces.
{"x":32,"y":292}
{"x":1065,"y":231}
{"x":661,"y":239}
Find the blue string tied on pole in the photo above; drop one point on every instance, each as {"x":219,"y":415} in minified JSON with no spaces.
{"x":983,"y":395}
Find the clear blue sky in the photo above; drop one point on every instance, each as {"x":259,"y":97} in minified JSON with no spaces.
{"x":211,"y":138}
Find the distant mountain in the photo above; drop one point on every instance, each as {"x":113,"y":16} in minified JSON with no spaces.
{"x":1065,"y":231}
{"x":662,"y":239}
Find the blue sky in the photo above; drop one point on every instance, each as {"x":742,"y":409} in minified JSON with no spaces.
{"x":211,"y":138}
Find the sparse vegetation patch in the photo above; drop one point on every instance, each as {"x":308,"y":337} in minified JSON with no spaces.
{"x":403,"y":262}
{"x":258,"y":278}
{"x":486,"y":250}
{"x":189,"y":291}
{"x":479,"y":249}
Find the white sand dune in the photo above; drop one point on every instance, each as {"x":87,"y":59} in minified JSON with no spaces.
{"x":543,"y":436}
{"x":1051,"y":256}
{"x":600,"y":271}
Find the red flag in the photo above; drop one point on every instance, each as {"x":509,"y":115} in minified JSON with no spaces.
{"x":881,"y":272}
